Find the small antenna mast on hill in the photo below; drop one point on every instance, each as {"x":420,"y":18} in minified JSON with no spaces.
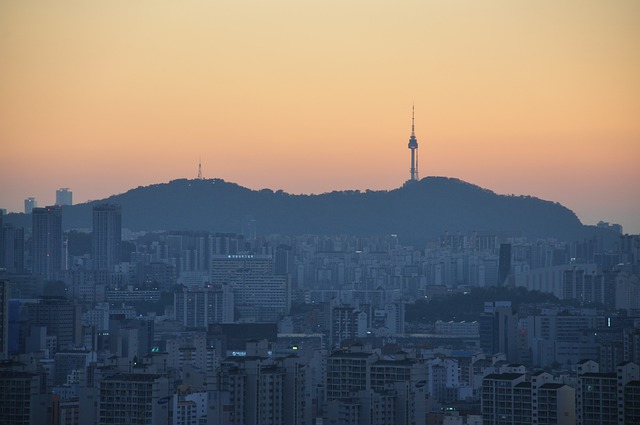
{"x":200,"y":169}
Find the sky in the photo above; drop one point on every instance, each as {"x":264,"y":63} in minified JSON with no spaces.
{"x":537,"y":98}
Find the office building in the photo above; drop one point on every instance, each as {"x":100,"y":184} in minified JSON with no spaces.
{"x":258,"y":294}
{"x":499,"y":329}
{"x":201,"y":307}
{"x":70,"y":363}
{"x":29,"y":205}
{"x":47,"y":242}
{"x":60,"y":316}
{"x":504,"y":263}
{"x":64,"y":196}
{"x":12,"y":248}
{"x":4,"y":318}
{"x":107,"y":236}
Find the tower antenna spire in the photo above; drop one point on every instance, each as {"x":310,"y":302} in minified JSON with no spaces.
{"x":200,"y":169}
{"x":413,"y":120}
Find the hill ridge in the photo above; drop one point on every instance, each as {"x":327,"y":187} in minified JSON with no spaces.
{"x":415,"y":212}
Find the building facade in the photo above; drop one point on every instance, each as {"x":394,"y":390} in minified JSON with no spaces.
{"x":47,"y":251}
{"x":107,"y":236}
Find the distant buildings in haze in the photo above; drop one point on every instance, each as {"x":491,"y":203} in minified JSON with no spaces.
{"x":47,"y":242}
{"x":107,"y":236}
{"x":29,"y":205}
{"x":64,"y":196}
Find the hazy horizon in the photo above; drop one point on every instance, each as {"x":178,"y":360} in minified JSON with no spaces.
{"x":538,"y":99}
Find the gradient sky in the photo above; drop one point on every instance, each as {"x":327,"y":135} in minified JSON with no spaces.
{"x":536,"y":98}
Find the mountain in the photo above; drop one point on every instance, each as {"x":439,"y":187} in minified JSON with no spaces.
{"x":415,"y":212}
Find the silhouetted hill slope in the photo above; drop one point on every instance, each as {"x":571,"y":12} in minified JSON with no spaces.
{"x":415,"y":212}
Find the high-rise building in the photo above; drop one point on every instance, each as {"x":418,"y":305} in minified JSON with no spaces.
{"x":29,"y":205}
{"x":64,"y":196}
{"x":2,"y":248}
{"x":12,"y":248}
{"x":21,"y":398}
{"x":4,"y":318}
{"x":46,"y":242}
{"x":602,"y":398}
{"x":256,"y":389}
{"x":361,"y":387}
{"x":499,"y":329}
{"x":347,"y":323}
{"x":509,"y":398}
{"x":200,"y":307}
{"x":60,"y":316}
{"x":504,"y":263}
{"x":257,"y":292}
{"x":107,"y":236}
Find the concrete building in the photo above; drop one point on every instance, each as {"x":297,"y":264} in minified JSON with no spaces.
{"x":23,"y":399}
{"x":255,"y":389}
{"x":554,"y":404}
{"x":4,"y":318}
{"x":107,"y":236}
{"x":12,"y":248}
{"x":348,"y":372}
{"x":363,"y":388}
{"x":131,"y":398}
{"x":60,"y":316}
{"x":258,"y":294}
{"x":199,"y":308}
{"x":189,"y":407}
{"x":64,"y":196}
{"x":457,"y":328}
{"x":347,"y":323}
{"x":68,"y":364}
{"x":603,"y":397}
{"x":47,"y":253}
{"x":506,"y":399}
{"x":29,"y":205}
{"x":498,"y":328}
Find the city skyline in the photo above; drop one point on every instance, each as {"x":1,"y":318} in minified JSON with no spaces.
{"x":537,"y":100}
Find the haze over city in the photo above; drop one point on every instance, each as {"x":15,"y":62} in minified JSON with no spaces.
{"x":320,"y":212}
{"x":537,"y":99}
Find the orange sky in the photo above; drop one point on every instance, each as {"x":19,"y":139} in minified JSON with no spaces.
{"x":538,"y":98}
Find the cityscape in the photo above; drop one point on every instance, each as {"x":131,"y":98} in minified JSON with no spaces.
{"x":112,"y":326}
{"x":335,"y":213}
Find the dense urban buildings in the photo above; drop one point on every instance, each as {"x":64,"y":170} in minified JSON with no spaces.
{"x":107,"y":326}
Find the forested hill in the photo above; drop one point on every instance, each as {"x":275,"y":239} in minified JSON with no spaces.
{"x":416,"y":212}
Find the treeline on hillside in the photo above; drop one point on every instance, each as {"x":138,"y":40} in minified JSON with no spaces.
{"x":416,"y":213}
{"x":80,"y":243}
{"x":470,"y":305}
